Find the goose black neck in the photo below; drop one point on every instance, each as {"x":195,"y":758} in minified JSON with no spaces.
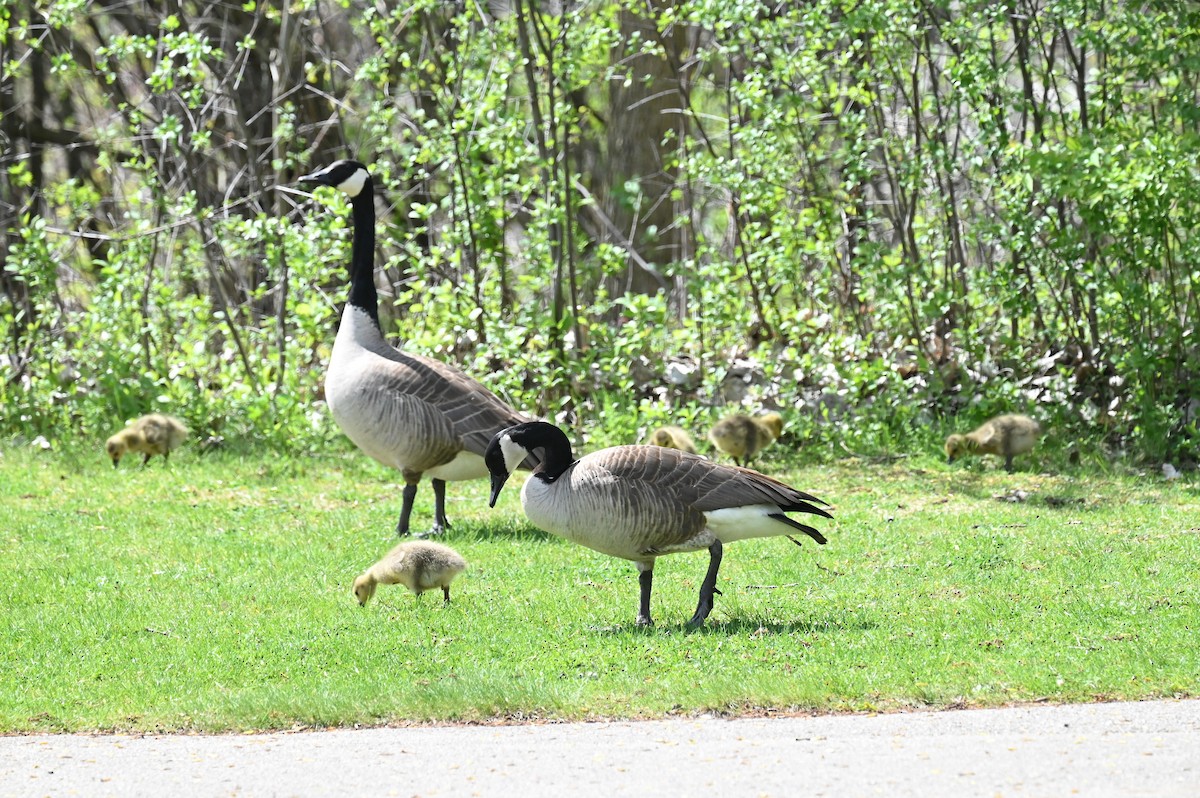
{"x":556,"y":449}
{"x":362,"y":256}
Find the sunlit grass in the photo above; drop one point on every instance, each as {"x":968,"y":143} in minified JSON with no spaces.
{"x":215,"y":594}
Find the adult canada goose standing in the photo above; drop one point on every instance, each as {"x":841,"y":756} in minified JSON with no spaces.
{"x":639,"y":502}
{"x":1007,"y":436}
{"x":409,"y":412}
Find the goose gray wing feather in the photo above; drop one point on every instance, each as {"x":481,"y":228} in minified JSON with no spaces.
{"x":673,"y":489}
{"x":701,"y":483}
{"x":474,"y":413}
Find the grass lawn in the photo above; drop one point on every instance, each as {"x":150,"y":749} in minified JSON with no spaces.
{"x":214,"y":594}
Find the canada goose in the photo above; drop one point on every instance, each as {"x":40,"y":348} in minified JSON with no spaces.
{"x":419,"y":565}
{"x":741,"y":437}
{"x":673,"y":438}
{"x":409,"y":412}
{"x":1007,"y":435}
{"x":639,"y":502}
{"x":151,"y":435}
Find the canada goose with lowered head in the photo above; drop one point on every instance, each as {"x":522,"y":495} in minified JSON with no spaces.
{"x":150,"y":435}
{"x":741,"y":437}
{"x":639,"y":502}
{"x":419,"y":565}
{"x":673,"y":438}
{"x":1007,"y":436}
{"x":409,"y":412}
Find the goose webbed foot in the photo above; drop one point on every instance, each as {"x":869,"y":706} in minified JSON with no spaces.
{"x":708,"y":588}
{"x":704,"y":607}
{"x":435,"y":531}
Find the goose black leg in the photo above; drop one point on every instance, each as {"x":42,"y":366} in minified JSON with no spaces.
{"x":709,"y":586}
{"x":440,"y":524}
{"x":645,"y":580}
{"x":410,"y":492}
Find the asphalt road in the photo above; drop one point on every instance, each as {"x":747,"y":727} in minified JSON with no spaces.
{"x":1134,"y":749}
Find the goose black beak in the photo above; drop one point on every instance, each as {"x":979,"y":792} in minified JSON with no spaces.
{"x":498,"y":481}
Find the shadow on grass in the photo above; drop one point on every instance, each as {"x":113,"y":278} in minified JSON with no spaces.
{"x":739,"y":627}
{"x":482,"y":529}
{"x":1019,"y":488}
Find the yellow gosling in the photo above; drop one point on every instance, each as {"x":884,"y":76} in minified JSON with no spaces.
{"x":149,"y":435}
{"x":673,"y":438}
{"x":1006,"y":436}
{"x":419,"y":565}
{"x":742,"y":437}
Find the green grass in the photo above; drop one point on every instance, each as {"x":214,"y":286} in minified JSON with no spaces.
{"x":214,"y":594}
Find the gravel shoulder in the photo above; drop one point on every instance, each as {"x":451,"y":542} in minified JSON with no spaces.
{"x":1147,"y":748}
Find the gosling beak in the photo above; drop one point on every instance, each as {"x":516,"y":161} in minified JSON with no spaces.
{"x":498,"y":481}
{"x":116,"y":461}
{"x":950,"y":460}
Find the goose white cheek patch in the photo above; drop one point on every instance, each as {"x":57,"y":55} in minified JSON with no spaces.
{"x":513,"y":453}
{"x":353,"y":184}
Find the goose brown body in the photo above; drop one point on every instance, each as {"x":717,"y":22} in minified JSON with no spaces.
{"x":1007,"y":436}
{"x":656,"y":501}
{"x":152,"y":434}
{"x":409,"y":412}
{"x":641,"y":502}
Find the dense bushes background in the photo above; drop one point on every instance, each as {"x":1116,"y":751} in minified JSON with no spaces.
{"x":875,"y":215}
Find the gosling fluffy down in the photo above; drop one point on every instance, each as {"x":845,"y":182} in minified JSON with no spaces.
{"x":150,"y":435}
{"x":673,"y":438}
{"x":1007,"y":436}
{"x":742,"y":437}
{"x":419,"y":565}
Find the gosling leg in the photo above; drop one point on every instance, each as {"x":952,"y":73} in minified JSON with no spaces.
{"x":709,"y":586}
{"x":446,"y":594}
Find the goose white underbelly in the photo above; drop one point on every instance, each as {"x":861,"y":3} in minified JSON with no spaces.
{"x":465,"y":465}
{"x":742,"y":523}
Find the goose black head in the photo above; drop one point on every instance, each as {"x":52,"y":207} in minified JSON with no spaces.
{"x":349,"y":177}
{"x":502,"y":457}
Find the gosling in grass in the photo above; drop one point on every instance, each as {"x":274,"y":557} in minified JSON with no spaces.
{"x":673,"y":438}
{"x":1007,"y":436}
{"x":419,"y":565}
{"x":150,"y":435}
{"x":742,"y":437}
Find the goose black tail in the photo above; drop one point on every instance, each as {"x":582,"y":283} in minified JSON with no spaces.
{"x":808,"y":530}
